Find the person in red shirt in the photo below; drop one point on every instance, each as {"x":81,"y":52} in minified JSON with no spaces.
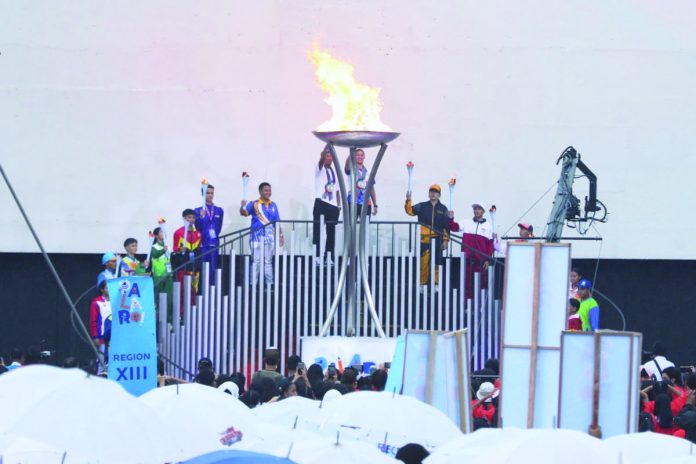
{"x":665,"y":387}
{"x":482,"y":407}
{"x":672,"y":376}
{"x":574,"y":321}
{"x":664,"y":418}
{"x":187,"y":245}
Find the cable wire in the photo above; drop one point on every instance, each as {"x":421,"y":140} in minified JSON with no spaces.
{"x":531,"y":208}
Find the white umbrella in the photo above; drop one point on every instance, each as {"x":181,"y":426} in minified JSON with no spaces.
{"x":25,"y":450}
{"x":21,"y":388}
{"x":388,"y":419}
{"x":683,"y":460}
{"x":278,"y":440}
{"x":201,"y":417}
{"x":512,"y":446}
{"x":650,"y":447}
{"x":86,"y":417}
{"x":293,"y":412}
{"x":336,"y":451}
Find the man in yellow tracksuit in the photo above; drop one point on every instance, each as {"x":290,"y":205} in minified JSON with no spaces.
{"x":433,"y":217}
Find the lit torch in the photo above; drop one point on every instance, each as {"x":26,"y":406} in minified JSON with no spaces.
{"x":151,"y":235}
{"x":452,"y":182}
{"x":491,"y":212}
{"x":204,"y":188}
{"x":409,"y":171}
{"x":245,"y":185}
{"x":162,"y":225}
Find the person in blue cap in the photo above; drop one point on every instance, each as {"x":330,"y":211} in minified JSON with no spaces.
{"x":589,"y":309}
{"x":109,"y":261}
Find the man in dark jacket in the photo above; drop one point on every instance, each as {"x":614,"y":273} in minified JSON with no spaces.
{"x":433,"y":217}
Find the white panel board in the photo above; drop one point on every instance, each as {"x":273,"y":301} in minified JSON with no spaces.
{"x":546,"y":388}
{"x":453,"y":399}
{"x":514,"y":394}
{"x":577,"y":351}
{"x":396,"y":371}
{"x":532,"y":333}
{"x":518,"y":294}
{"x":554,"y":276}
{"x":618,"y":386}
{"x":435,"y":370}
{"x":415,"y":373}
{"x":634,"y":371}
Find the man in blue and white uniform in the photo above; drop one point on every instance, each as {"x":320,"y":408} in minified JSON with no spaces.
{"x":209,"y":224}
{"x":264,"y":214}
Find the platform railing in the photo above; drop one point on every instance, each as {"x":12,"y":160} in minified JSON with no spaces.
{"x":232,"y":318}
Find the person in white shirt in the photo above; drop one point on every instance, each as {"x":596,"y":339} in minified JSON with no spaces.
{"x":327,"y":203}
{"x":658,"y":363}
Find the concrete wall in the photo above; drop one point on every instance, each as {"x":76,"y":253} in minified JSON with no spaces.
{"x":111,"y":112}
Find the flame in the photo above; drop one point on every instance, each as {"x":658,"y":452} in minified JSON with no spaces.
{"x":204,"y":181}
{"x":160,"y":220}
{"x":493,"y":209}
{"x":452,"y":182}
{"x":355,"y":106}
{"x":409,"y":165}
{"x":245,"y":174}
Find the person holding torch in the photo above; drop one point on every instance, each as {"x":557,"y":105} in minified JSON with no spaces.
{"x":477,"y":245}
{"x":433,"y":218}
{"x":209,"y":223}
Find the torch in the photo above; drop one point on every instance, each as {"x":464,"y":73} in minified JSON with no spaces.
{"x":151,"y":235}
{"x":245,"y":185}
{"x":204,"y":188}
{"x":491,"y":212}
{"x":409,"y":171}
{"x":452,"y":182}
{"x":161,"y":223}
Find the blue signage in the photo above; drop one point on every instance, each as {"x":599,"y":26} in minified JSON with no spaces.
{"x":133,"y":349}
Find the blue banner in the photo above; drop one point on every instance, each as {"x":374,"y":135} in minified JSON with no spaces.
{"x":133,"y":349}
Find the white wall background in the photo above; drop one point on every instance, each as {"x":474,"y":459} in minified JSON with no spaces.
{"x":111,"y":112}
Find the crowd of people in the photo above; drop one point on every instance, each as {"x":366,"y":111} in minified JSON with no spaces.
{"x":269,"y":385}
{"x":667,"y":396}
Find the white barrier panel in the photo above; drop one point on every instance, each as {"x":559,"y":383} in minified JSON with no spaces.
{"x":420,"y":348}
{"x":349,"y":350}
{"x":534,"y":315}
{"x":453,"y":399}
{"x":618,"y":375}
{"x":435,"y":370}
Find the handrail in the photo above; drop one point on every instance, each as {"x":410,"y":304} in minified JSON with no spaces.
{"x":239,"y":234}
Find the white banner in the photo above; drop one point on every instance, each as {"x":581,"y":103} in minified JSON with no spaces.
{"x":347,"y":351}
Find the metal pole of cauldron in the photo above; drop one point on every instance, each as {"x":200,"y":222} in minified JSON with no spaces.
{"x":352,"y":303}
{"x":362,"y":250}
{"x":346,"y":242}
{"x":352,"y":253}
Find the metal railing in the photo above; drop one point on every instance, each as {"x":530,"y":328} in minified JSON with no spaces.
{"x":233,"y":318}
